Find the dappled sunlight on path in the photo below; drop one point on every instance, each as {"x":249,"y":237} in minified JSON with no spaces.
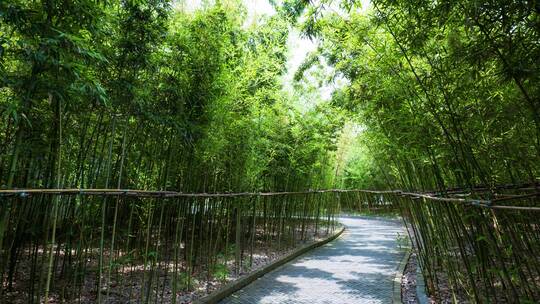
{"x":357,"y":268}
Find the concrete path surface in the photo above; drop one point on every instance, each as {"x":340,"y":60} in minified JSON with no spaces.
{"x":358,"y":267}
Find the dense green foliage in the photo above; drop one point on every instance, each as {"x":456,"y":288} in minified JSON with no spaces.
{"x":146,"y":95}
{"x":141,"y":94}
{"x":447,"y":91}
{"x":445,"y":94}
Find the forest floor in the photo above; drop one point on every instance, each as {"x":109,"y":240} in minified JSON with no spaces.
{"x":411,"y":292}
{"x":261,"y":258}
{"x":141,"y":282}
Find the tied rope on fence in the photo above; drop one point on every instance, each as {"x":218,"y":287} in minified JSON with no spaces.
{"x":486,"y":203}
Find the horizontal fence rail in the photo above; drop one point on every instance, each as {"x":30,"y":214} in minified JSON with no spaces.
{"x":486,"y":203}
{"x":123,"y":245}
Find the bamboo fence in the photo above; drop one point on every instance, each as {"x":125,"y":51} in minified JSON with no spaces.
{"x":122,"y":245}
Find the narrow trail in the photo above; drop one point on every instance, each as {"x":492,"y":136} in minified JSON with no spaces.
{"x":356,"y":268}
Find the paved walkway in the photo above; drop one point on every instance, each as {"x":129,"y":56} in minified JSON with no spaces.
{"x":356,"y":268}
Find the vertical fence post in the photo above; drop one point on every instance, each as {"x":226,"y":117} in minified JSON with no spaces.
{"x":237,"y":246}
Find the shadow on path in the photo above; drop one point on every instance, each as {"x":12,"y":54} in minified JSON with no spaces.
{"x":356,"y":268}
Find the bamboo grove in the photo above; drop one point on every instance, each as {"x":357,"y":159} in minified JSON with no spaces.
{"x":474,"y":246}
{"x":147,"y":95}
{"x":149,"y":248}
{"x":446,"y":92}
{"x":447,"y":96}
{"x":150,"y":95}
{"x":441,"y":100}
{"x":474,"y":252}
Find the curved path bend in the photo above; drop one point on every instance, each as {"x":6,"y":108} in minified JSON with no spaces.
{"x":358,"y":267}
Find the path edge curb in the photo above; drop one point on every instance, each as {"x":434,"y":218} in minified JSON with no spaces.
{"x":396,"y":289}
{"x":236,"y":285}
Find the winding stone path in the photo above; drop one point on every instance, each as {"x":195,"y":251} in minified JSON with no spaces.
{"x":356,"y":268}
